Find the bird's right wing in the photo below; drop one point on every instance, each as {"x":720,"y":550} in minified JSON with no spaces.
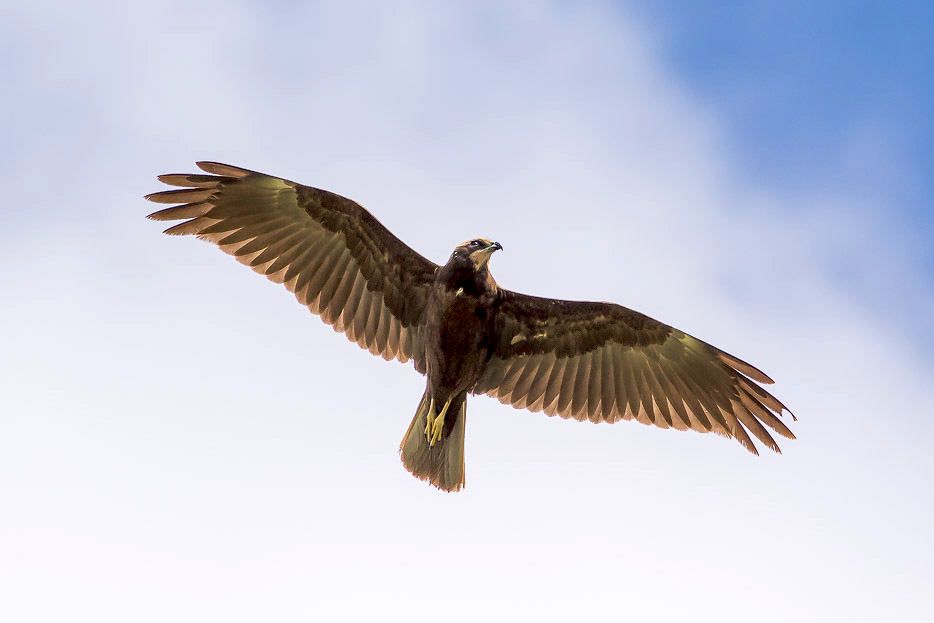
{"x":328,"y":250}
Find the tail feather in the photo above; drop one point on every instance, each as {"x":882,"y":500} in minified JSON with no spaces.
{"x":442,"y":464}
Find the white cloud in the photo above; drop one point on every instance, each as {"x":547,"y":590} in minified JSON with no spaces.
{"x":178,"y":433}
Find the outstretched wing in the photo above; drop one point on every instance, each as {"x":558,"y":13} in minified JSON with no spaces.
{"x":328,"y":250}
{"x":603,"y":362}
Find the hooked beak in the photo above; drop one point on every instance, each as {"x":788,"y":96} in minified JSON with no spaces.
{"x":482,"y":256}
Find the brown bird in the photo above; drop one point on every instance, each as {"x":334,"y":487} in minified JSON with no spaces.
{"x":588,"y":361}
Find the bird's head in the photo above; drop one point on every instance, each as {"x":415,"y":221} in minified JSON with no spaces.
{"x":478,"y":251}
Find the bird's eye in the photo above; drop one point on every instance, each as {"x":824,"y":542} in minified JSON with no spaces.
{"x":475,"y":243}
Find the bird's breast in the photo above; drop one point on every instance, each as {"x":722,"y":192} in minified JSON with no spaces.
{"x":457,"y":339}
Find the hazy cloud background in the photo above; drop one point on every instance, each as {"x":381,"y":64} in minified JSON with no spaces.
{"x":180,"y":440}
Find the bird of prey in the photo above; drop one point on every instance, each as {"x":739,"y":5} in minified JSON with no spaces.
{"x":588,"y":361}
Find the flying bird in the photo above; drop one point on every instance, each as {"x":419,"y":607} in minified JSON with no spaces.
{"x":583,"y":360}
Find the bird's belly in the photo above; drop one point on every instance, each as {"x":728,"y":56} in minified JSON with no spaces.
{"x":458,"y":352}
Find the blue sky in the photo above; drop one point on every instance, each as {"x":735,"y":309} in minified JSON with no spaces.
{"x":795,"y":78}
{"x":179,"y":440}
{"x":824,"y":97}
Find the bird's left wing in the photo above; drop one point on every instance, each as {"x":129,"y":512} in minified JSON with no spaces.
{"x":328,"y":250}
{"x":604,"y":362}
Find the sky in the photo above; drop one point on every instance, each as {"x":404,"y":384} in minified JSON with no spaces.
{"x":179,"y":440}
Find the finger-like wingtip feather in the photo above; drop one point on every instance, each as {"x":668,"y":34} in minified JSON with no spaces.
{"x":187,"y":180}
{"x":746,"y":368}
{"x":219,"y":168}
{"x":177,"y":213}
{"x":184,"y":195}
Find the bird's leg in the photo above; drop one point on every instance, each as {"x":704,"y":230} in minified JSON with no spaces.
{"x":437,"y":424}
{"x":430,"y":419}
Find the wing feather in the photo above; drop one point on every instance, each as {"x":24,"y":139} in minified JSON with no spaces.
{"x":539,"y":384}
{"x":512,"y":375}
{"x":190,"y":181}
{"x":345,"y":322}
{"x":566,"y":394}
{"x":644,"y":392}
{"x":325,"y":292}
{"x":702,"y":405}
{"x":754,"y":426}
{"x":619,"y":382}
{"x":395,"y":330}
{"x":364,"y":311}
{"x":290,"y":238}
{"x":607,"y":396}
{"x":658,"y":394}
{"x":188,"y":195}
{"x":524,"y":381}
{"x":310,"y":281}
{"x":289,"y":261}
{"x":605,"y":362}
{"x":223,"y":170}
{"x":188,"y":210}
{"x":329,"y":251}
{"x":683,"y":421}
{"x":554,"y":385}
{"x":382,"y":333}
{"x":692,"y":404}
{"x":581,"y":386}
{"x":631,"y":392}
{"x":341,"y":295}
{"x":372,"y":324}
{"x":263,"y":240}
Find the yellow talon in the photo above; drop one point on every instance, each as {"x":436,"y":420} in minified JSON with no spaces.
{"x":436,"y":424}
{"x":430,"y":419}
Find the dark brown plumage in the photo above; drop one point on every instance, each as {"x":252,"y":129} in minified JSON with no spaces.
{"x":588,"y":361}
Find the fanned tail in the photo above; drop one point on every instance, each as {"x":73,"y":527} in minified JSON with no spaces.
{"x":442,"y":464}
